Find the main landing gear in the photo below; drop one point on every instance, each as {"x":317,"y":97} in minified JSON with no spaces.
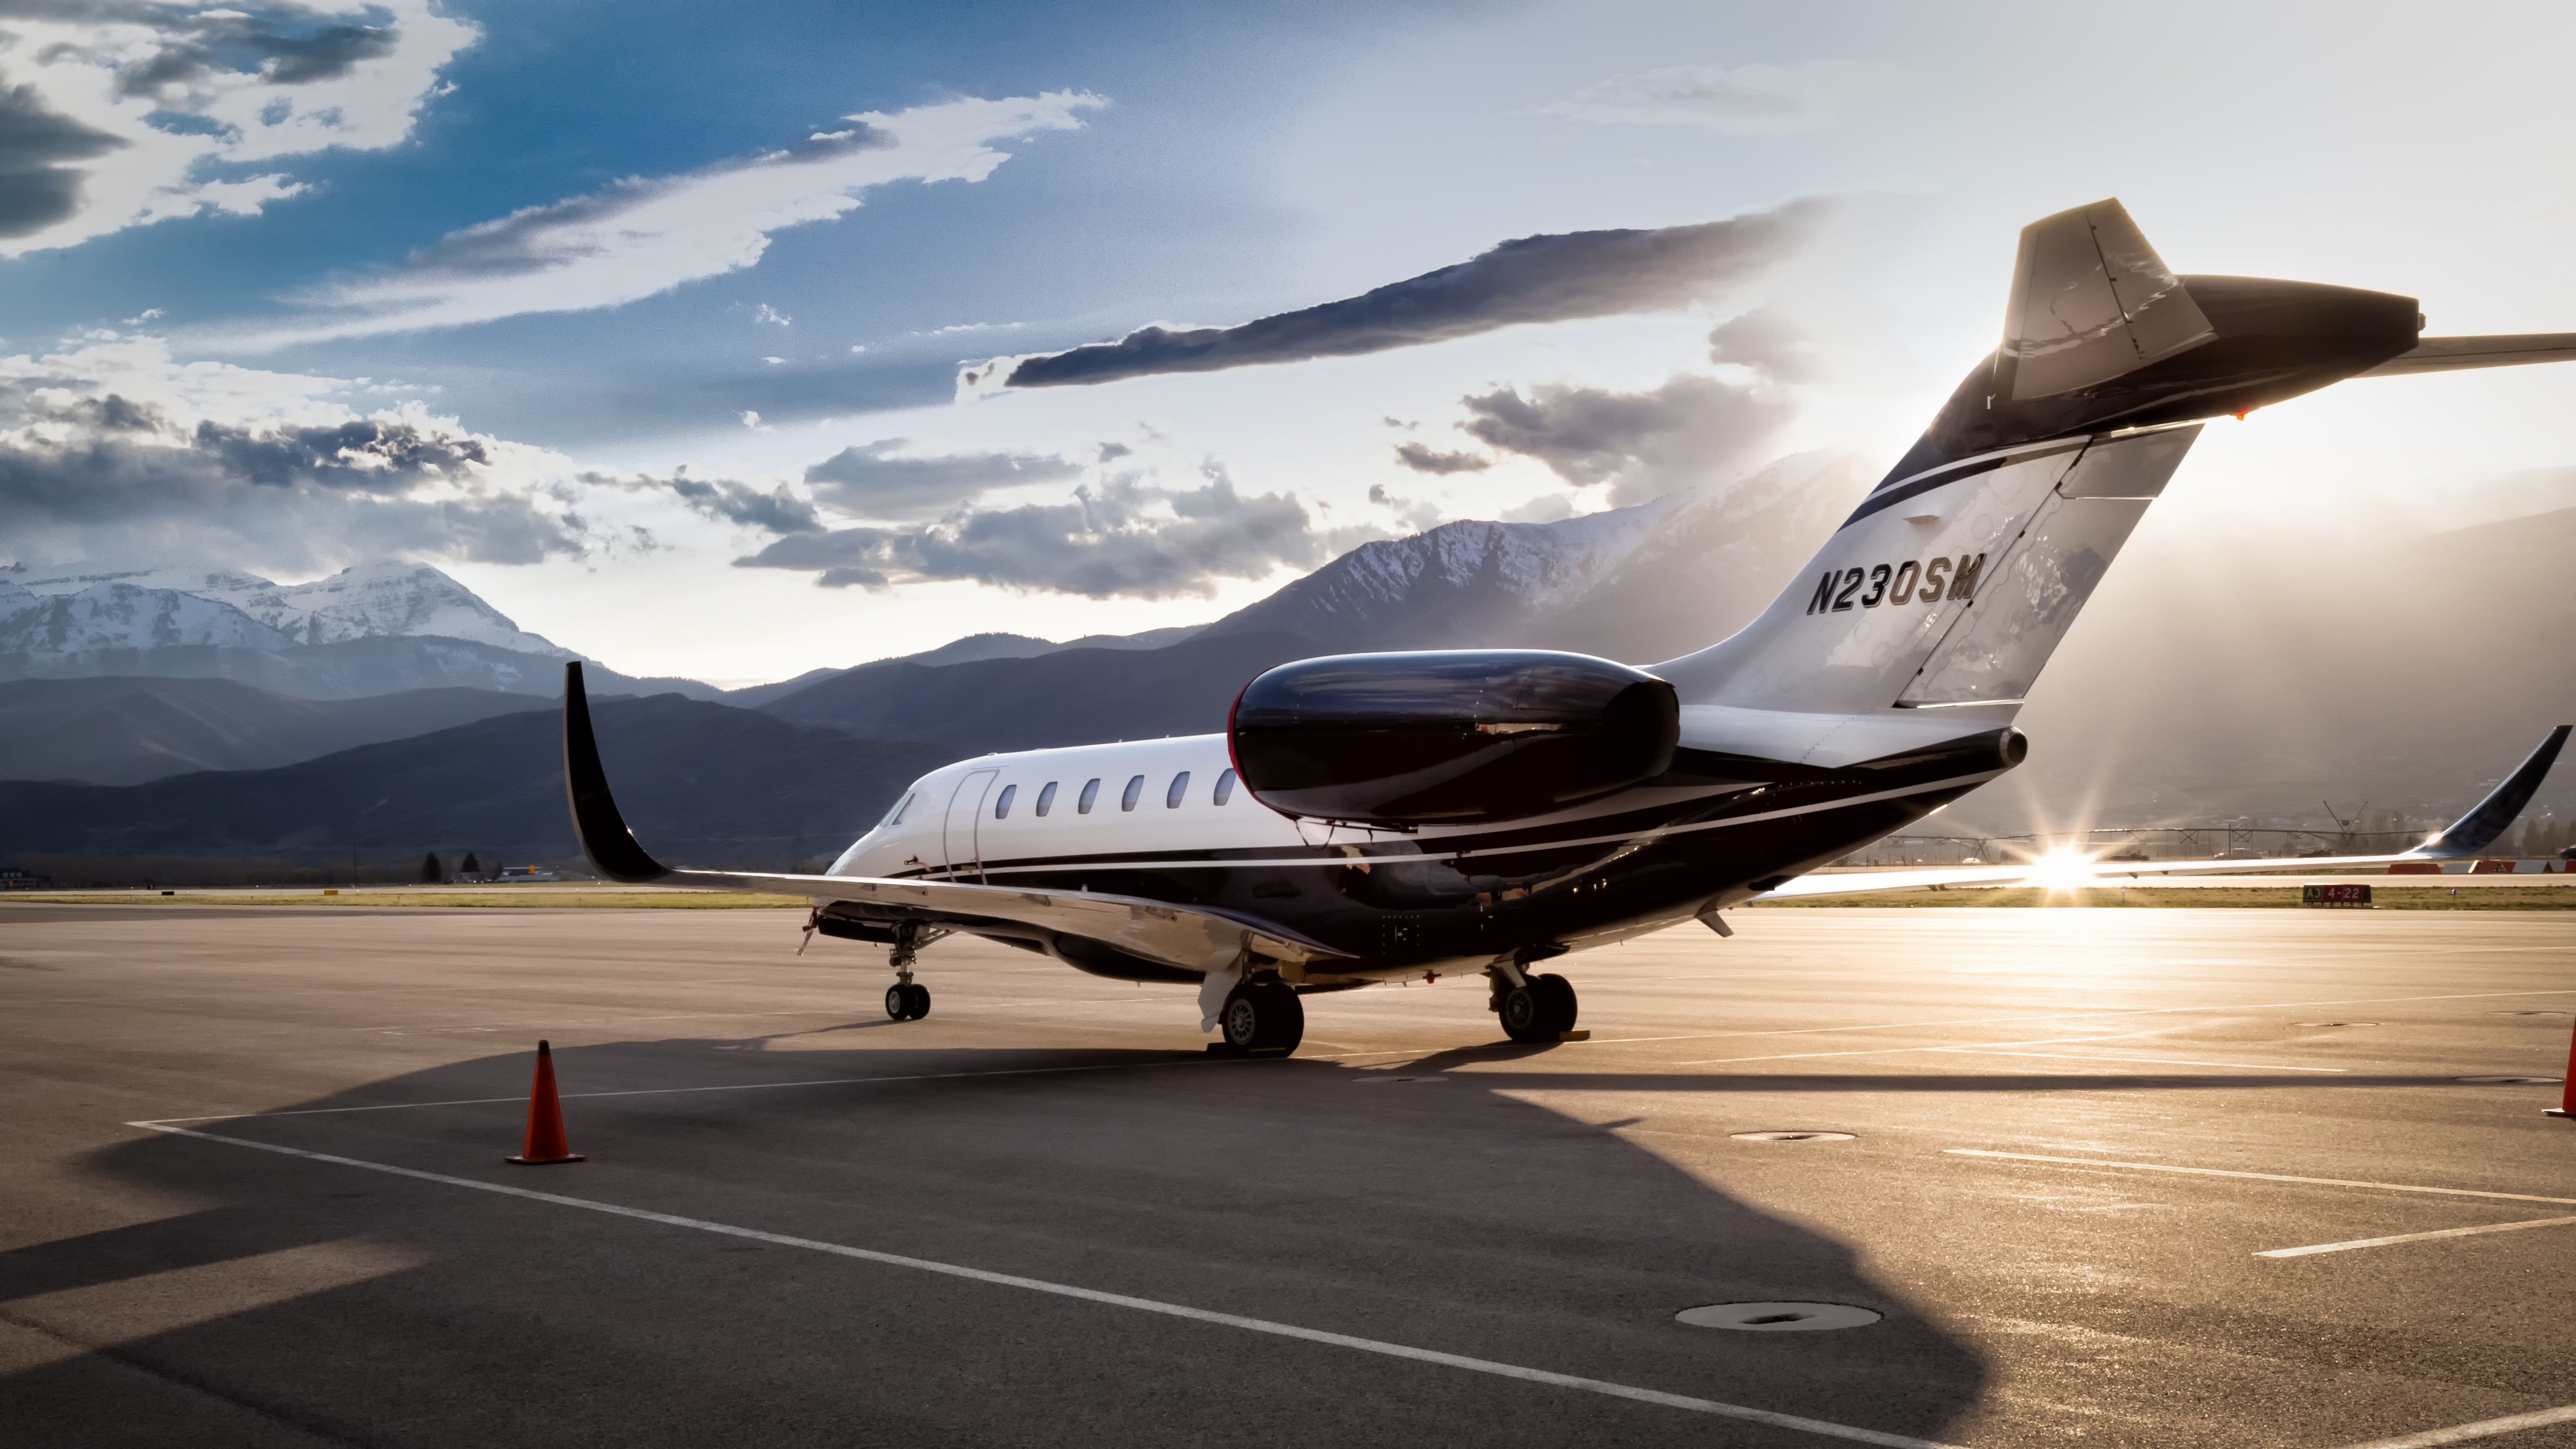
{"x":907,"y":1000}
{"x":1534,"y":1008}
{"x":1262,"y":1016}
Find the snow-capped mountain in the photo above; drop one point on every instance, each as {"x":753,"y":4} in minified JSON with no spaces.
{"x":369,"y":630}
{"x":368,"y":600}
{"x":159,"y":609}
{"x":124,"y":616}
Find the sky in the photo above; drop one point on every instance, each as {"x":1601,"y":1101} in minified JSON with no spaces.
{"x":735,"y":341}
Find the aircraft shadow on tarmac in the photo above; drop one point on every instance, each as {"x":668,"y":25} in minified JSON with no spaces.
{"x":1446,"y":1215}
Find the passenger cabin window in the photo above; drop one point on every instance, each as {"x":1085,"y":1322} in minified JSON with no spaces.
{"x":1224,"y":790}
{"x":1180,"y":787}
{"x":1046,"y":799}
{"x":1135,"y":792}
{"x":1002,"y":803}
{"x":1090,"y":792}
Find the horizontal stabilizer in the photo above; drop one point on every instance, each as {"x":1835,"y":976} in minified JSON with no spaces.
{"x":2445,"y":354}
{"x":2091,"y":301}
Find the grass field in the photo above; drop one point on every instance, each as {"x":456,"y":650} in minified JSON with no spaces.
{"x":454,"y":900}
{"x":2386,"y":898}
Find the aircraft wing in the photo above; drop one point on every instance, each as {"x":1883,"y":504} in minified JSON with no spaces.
{"x":2444,"y":354}
{"x":2467,"y":836}
{"x":1191,"y":940}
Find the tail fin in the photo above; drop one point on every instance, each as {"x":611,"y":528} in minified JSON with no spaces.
{"x":1954,"y":580}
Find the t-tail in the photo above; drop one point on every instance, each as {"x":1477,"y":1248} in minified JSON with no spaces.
{"x":1953,"y":581}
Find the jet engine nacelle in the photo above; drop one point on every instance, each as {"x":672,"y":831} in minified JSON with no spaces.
{"x":1454,"y":736}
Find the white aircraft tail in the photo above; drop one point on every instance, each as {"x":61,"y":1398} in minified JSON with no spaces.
{"x":1954,"y":580}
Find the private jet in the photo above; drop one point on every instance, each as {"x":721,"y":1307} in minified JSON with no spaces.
{"x":1366,"y":818}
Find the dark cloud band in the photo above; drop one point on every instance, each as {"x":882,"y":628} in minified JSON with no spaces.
{"x":1554,"y":278}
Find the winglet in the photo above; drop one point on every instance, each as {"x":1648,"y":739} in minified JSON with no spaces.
{"x":595,"y":821}
{"x":2479,"y":828}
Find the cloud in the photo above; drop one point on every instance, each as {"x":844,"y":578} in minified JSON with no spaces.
{"x":1644,"y":444}
{"x":1420,"y":515}
{"x":1123,"y":539}
{"x":120,"y":113}
{"x":1422,"y":458}
{"x":1745,"y":100}
{"x":866,"y":482}
{"x":1553,"y":278}
{"x":727,"y":501}
{"x":1768,"y":345}
{"x":114,"y":451}
{"x":646,"y":235}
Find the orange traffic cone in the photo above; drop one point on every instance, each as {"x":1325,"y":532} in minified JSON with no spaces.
{"x":2567,"y":1095}
{"x":546,"y":1142}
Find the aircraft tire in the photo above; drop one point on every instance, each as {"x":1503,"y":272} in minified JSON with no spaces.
{"x":1262,"y":1016}
{"x":1286,"y":1016}
{"x":1557,"y":1007}
{"x":898,"y":1003}
{"x":920,"y":996}
{"x":1523,"y":1014}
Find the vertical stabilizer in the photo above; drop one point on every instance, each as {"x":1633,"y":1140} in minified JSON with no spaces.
{"x":1956,"y":577}
{"x":1951,"y":594}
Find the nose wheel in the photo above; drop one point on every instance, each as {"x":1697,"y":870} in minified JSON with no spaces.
{"x":1542,"y":1010}
{"x":907,"y":1002}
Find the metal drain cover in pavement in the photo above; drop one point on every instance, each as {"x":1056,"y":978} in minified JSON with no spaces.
{"x":2529,"y":1013}
{"x":2338,"y":1023}
{"x":1376,"y":1081}
{"x":1777,"y":1317}
{"x":1789,"y":1137}
{"x":2511,"y":1081}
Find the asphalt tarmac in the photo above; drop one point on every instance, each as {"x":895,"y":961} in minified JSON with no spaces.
{"x":2079,"y":1144}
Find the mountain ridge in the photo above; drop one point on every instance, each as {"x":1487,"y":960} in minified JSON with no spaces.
{"x":702,"y":783}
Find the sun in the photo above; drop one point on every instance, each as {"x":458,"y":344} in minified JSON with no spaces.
{"x":2062,"y":869}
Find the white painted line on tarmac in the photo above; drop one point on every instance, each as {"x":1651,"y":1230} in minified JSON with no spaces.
{"x":2483,"y":1429}
{"x":2413,"y":1238}
{"x":1684,"y":1402}
{"x":2146,"y":1061}
{"x":2260,"y":1176}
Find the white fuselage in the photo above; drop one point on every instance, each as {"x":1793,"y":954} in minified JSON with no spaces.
{"x":952,"y":819}
{"x":951,"y":824}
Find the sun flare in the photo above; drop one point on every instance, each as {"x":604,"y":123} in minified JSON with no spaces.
{"x":2062,"y":869}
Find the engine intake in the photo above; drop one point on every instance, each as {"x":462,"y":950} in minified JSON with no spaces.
{"x":1455,"y":736}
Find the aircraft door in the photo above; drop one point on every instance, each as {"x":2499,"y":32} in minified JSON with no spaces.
{"x":965,"y":813}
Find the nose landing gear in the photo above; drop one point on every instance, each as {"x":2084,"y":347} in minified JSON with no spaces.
{"x":907,"y":1000}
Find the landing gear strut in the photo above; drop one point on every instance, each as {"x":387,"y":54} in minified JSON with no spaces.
{"x":1536,"y":1008}
{"x":1262,"y":1015}
{"x":905,"y":1000}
